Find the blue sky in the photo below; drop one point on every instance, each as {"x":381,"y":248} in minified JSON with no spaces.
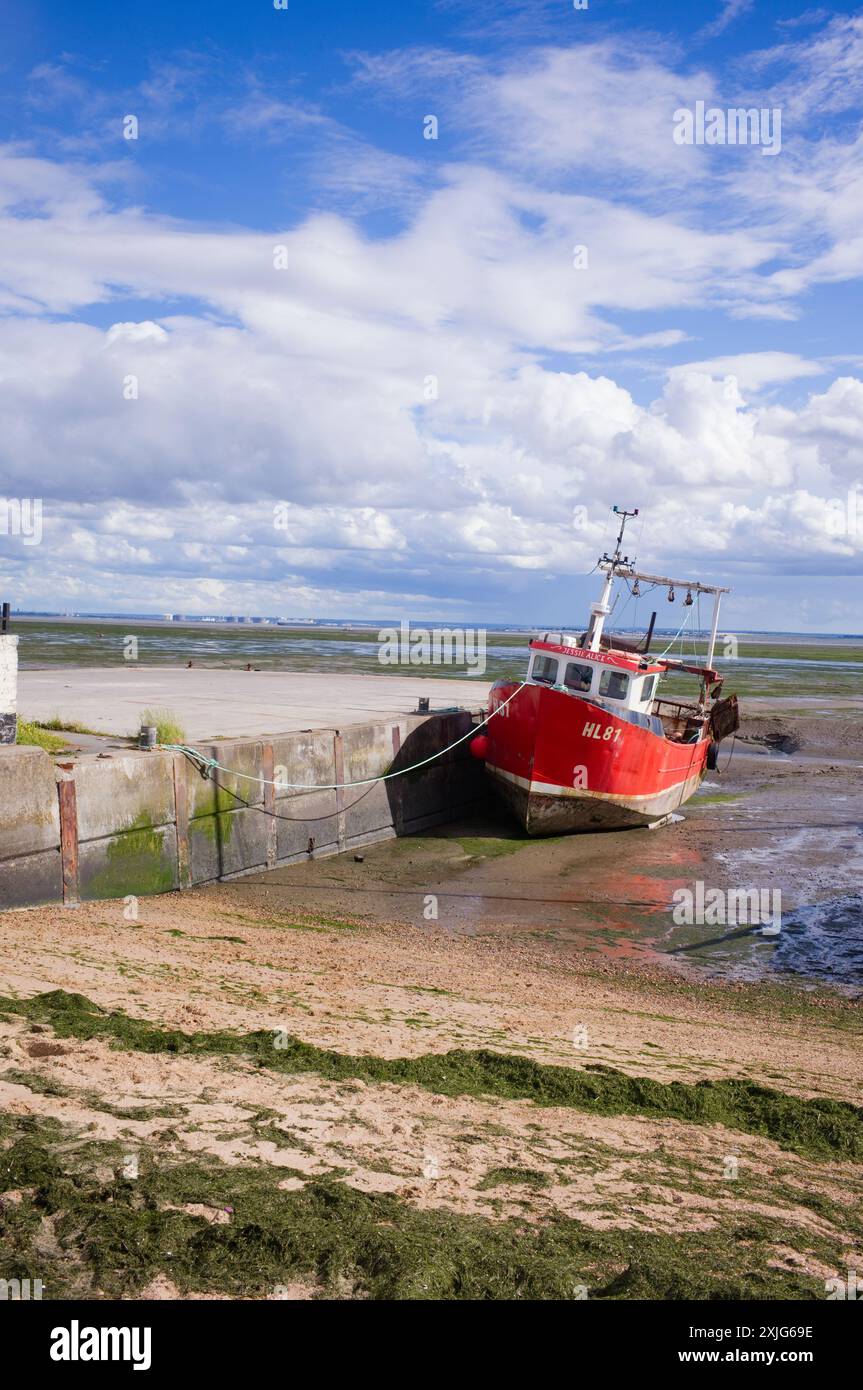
{"x":429,"y":387}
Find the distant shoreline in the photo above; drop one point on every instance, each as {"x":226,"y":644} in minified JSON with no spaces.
{"x":782,"y":637}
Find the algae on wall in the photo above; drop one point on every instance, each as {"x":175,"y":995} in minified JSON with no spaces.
{"x":139,"y":860}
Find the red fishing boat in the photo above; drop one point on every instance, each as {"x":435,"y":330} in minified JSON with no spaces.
{"x":586,"y":742}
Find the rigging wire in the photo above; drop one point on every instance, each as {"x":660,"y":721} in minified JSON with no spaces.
{"x":677,"y":634}
{"x":700,"y":629}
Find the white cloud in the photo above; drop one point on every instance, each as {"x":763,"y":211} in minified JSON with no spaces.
{"x":146,"y":332}
{"x":754,"y":370}
{"x":311,"y":385}
{"x":731,"y":10}
{"x":385,"y":496}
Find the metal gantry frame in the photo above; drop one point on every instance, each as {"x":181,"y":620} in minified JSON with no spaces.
{"x":692,"y":585}
{"x":617,"y":566}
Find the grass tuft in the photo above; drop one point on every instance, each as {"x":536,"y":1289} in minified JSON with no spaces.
{"x":68,"y":726}
{"x":168,"y":727}
{"x":35,"y":736}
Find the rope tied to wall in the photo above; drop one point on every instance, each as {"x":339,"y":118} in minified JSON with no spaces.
{"x":207,"y":765}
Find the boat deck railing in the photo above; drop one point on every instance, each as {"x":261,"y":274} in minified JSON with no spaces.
{"x":678,"y":705}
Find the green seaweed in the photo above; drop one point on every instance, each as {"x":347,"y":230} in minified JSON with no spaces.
{"x":819,"y":1128}
{"x":314,"y":923}
{"x":503,"y":1177}
{"x":111,"y":1237}
{"x":490,"y":847}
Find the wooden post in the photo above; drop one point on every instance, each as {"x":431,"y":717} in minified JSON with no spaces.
{"x":339,"y":760}
{"x":269,"y":791}
{"x":394,"y":787}
{"x":181,"y":815}
{"x":69,"y":842}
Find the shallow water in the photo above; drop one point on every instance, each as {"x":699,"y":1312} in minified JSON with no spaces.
{"x":606,"y":894}
{"x":821,"y":943}
{"x":787,"y":668}
{"x":823,"y":940}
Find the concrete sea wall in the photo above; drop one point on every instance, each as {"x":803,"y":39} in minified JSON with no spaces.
{"x":138,"y":823}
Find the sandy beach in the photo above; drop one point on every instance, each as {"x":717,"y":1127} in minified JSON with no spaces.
{"x":296,"y":1085}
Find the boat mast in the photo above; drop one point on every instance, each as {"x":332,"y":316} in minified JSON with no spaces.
{"x":599,"y":611}
{"x":617,"y":564}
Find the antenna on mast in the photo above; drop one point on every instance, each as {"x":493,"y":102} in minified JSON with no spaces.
{"x":624,"y":515}
{"x":611,"y":564}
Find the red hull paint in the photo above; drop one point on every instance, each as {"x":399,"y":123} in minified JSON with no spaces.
{"x":565,"y":763}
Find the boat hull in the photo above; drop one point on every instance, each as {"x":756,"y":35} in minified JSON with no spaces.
{"x":564,"y":764}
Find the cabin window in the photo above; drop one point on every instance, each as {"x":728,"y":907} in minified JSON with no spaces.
{"x":614,"y":684}
{"x":647,"y":687}
{"x":544,"y":669}
{"x":578,"y":677}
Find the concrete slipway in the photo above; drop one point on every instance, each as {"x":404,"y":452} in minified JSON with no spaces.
{"x":214,"y":703}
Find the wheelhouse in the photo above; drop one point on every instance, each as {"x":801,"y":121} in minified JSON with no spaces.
{"x":609,"y":679}
{"x":623,"y":683}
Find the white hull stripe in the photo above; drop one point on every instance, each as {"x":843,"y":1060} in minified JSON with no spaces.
{"x":551,"y":789}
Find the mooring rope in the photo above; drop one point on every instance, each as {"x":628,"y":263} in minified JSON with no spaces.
{"x":206,"y":764}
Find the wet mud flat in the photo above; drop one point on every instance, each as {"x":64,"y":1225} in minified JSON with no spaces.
{"x":781,"y":818}
{"x":301,"y":1086}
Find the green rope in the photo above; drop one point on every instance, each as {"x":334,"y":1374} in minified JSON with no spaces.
{"x":206,"y":764}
